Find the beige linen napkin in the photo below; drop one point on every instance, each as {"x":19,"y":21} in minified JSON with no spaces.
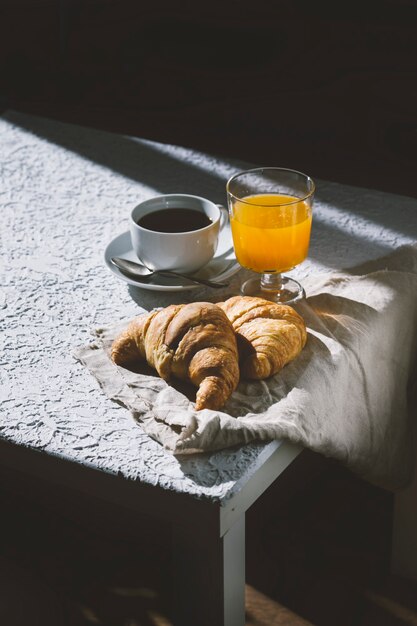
{"x":349,"y":395}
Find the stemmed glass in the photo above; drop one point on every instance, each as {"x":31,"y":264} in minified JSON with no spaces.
{"x":270,"y":216}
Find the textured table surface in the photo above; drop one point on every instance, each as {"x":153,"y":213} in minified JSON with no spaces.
{"x":65,"y":193}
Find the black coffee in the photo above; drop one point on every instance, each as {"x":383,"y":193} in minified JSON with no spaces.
{"x":174,"y":220}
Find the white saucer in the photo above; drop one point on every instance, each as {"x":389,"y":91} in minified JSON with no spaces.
{"x":221,"y":267}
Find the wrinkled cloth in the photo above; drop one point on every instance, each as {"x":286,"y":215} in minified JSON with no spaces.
{"x":349,"y":395}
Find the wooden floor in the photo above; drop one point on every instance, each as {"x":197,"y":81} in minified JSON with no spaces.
{"x":317,"y":553}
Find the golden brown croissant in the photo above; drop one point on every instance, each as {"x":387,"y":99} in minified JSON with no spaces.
{"x":194,"y":342}
{"x":269,"y":335}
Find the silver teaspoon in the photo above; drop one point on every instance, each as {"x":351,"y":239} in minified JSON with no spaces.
{"x":141,"y":273}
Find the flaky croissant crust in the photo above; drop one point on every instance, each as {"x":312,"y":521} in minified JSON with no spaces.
{"x":194,"y":342}
{"x":269,"y":335}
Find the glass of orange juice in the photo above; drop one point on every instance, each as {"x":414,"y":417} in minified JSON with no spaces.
{"x":270,"y":212}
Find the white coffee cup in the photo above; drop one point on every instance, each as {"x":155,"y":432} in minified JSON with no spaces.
{"x":184,"y":251}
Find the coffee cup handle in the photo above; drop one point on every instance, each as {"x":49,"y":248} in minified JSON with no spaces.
{"x":224,"y":216}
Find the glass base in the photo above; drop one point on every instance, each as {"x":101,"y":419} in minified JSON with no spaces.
{"x":289,"y":292}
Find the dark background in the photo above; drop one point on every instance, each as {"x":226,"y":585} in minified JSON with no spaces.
{"x":321,"y":86}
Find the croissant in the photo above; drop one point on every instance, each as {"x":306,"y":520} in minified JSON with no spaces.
{"x":193,"y":342}
{"x":269,"y":335}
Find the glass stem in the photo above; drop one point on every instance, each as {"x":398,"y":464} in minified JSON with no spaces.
{"x":271,"y":282}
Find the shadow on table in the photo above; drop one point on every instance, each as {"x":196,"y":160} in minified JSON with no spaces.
{"x":343,"y":245}
{"x":403,"y":259}
{"x":369,"y":204}
{"x":149,"y":163}
{"x":137,"y":159}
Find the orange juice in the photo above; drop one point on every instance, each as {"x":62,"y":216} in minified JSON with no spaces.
{"x":268,"y":233}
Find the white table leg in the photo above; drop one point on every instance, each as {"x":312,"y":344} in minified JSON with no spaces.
{"x":209,"y":577}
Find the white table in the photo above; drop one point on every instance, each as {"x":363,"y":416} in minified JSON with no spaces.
{"x":65,"y":193}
